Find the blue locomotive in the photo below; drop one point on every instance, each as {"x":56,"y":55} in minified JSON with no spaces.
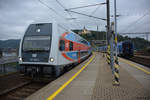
{"x":124,"y":49}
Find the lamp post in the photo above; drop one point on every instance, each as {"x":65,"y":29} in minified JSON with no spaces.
{"x":115,"y":19}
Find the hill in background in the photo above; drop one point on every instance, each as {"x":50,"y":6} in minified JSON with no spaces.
{"x":12,"y":43}
{"x":139,"y":43}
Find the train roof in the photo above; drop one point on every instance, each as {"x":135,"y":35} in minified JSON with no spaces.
{"x":40,"y":20}
{"x":63,"y":25}
{"x":51,"y":20}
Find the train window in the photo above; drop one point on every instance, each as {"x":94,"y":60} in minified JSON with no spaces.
{"x":62,"y":45}
{"x":84,"y":42}
{"x":84,"y":53}
{"x":71,"y":46}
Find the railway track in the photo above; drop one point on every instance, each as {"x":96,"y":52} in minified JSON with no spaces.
{"x":141,"y":60}
{"x":21,"y":92}
{"x":18,"y":87}
{"x":22,"y":86}
{"x":142,"y":57}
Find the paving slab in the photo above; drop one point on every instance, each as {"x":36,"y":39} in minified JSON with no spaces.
{"x":129,"y":89}
{"x":82,"y":87}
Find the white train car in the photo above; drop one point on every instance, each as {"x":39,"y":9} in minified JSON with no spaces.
{"x":49,"y":47}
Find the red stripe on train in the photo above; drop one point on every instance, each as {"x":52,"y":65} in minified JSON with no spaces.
{"x":63,"y":54}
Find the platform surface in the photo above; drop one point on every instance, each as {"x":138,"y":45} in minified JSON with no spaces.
{"x":142,"y":77}
{"x":95,"y":83}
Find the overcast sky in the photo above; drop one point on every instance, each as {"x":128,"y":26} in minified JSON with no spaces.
{"x":16,"y":15}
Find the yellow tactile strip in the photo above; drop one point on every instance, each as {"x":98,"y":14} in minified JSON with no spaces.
{"x":129,"y":89}
{"x":135,"y":66}
{"x":51,"y":97}
{"x":45,"y":92}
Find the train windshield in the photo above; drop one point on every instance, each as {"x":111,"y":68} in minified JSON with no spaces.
{"x":36,"y":43}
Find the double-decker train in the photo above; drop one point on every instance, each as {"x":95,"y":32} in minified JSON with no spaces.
{"x":49,"y":47}
{"x":124,"y":49}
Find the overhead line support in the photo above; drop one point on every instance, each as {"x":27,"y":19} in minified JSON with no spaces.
{"x":85,"y":14}
{"x":87,"y":6}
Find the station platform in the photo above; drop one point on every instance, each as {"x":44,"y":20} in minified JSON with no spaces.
{"x":92,"y":80}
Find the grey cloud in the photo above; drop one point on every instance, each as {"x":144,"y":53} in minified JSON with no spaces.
{"x":16,"y":15}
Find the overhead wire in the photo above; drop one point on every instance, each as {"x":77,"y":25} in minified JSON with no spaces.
{"x":86,"y":15}
{"x":87,"y":6}
{"x":67,"y":11}
{"x":135,"y":22}
{"x":95,"y":10}
{"x":99,"y":4}
{"x":60,"y":4}
{"x":50,"y":8}
{"x":92,"y":13}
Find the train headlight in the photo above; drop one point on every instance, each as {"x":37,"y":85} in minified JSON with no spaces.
{"x":20,"y":59}
{"x":51,"y":59}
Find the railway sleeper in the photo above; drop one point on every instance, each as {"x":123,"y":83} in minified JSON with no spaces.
{"x":27,"y":90}
{"x":33,"y":88}
{"x":14,"y":97}
{"x":21,"y":94}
